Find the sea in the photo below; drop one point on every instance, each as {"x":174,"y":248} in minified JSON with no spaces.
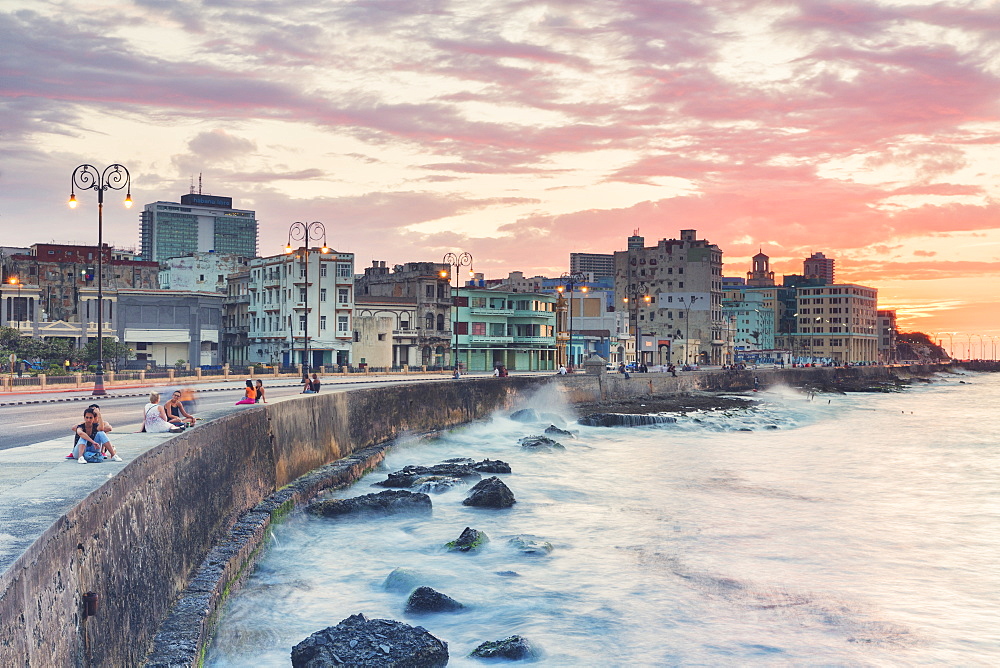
{"x":857,"y":529}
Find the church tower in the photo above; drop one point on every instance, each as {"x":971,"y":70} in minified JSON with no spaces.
{"x":761,"y":275}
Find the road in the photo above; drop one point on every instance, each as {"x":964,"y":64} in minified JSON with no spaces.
{"x":24,"y":425}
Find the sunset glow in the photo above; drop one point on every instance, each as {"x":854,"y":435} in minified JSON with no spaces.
{"x":523,"y":131}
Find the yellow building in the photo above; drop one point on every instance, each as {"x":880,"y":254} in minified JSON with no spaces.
{"x":836,"y":322}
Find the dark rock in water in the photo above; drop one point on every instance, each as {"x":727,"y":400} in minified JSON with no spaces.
{"x":491,"y":466}
{"x":490,"y":493}
{"x":401,"y":580}
{"x":525,"y":415}
{"x":623,"y":420}
{"x":471,"y":540}
{"x":745,"y":429}
{"x":459,"y":460}
{"x":410,"y":474}
{"x":540,"y":442}
{"x":528,"y":544}
{"x":425,"y":599}
{"x":771,"y":426}
{"x":383,"y":503}
{"x":359,"y":641}
{"x":509,"y":574}
{"x":556,"y":431}
{"x":435,"y":484}
{"x":514,"y":648}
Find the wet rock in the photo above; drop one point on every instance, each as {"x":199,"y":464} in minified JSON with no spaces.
{"x":435,"y":484}
{"x":513,"y":648}
{"x":491,"y":466}
{"x":623,"y":420}
{"x":410,"y":474}
{"x":459,"y":460}
{"x":528,"y":544}
{"x":540,"y":443}
{"x":425,"y":599}
{"x":359,"y":641}
{"x":490,"y":493}
{"x":745,"y":429}
{"x":525,"y":415}
{"x":556,"y":431}
{"x":471,"y":540}
{"x":771,"y":426}
{"x":508,"y":574}
{"x":384,"y":503}
{"x":401,"y":580}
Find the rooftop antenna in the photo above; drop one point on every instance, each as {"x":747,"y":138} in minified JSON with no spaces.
{"x":199,"y":183}
{"x":192,"y":185}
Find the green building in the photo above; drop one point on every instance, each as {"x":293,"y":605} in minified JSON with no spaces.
{"x":515,"y":329}
{"x":198,"y":224}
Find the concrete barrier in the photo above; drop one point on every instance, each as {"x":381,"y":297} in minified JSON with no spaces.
{"x":142,"y":537}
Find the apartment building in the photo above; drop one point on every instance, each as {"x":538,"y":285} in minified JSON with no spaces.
{"x":837,"y":323}
{"x":515,"y":329}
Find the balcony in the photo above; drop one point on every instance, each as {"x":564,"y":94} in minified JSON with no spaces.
{"x":482,"y":339}
{"x":478,"y":310}
{"x":537,"y":340}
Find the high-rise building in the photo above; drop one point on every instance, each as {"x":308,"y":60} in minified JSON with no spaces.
{"x":887,"y":333}
{"x":601,"y":266}
{"x":198,"y":224}
{"x":836,"y":322}
{"x":818,"y":266}
{"x":683,"y":320}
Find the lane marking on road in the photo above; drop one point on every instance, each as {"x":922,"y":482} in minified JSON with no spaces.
{"x":37,"y":424}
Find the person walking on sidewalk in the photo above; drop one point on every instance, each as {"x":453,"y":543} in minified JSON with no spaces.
{"x":91,"y":441}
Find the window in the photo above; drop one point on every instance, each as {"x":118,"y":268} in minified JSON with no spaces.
{"x":302,"y":322}
{"x":302,"y":294}
{"x":440,"y":322}
{"x":322,"y":269}
{"x":429,"y":321}
{"x":343,"y":270}
{"x":477,"y":302}
{"x":322,"y":322}
{"x":498,"y":329}
{"x":429,"y":291}
{"x":343,"y":322}
{"x":343,"y":296}
{"x":322,"y":294}
{"x":479,"y":329}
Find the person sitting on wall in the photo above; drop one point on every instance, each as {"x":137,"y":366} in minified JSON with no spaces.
{"x":249,"y":394}
{"x":154,"y":418}
{"x":315,"y":384}
{"x":91,"y":441}
{"x":176,"y":411}
{"x":102,"y":425}
{"x":307,"y":384}
{"x":259,"y":389}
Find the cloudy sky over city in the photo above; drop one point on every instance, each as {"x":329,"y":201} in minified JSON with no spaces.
{"x":522,"y":130}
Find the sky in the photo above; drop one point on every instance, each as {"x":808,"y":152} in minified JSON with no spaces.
{"x":521,"y":131}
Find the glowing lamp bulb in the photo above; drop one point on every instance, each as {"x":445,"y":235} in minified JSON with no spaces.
{"x":288,"y":249}
{"x":72,"y":201}
{"x":324,"y":249}
{"x":128,"y":200}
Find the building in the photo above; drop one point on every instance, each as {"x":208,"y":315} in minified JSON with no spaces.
{"x":818,"y":266}
{"x":516,"y":281}
{"x":683,"y":316}
{"x":417,"y":296}
{"x":300,"y":308}
{"x":760,"y":274}
{"x":169,"y":327}
{"x":887,"y":334}
{"x":515,"y":329}
{"x":235,"y":344}
{"x":198,"y":224}
{"x":596,"y":264}
{"x":45,"y":289}
{"x":200,"y":272}
{"x":594,"y":328}
{"x":750,"y":329}
{"x":836,"y":323}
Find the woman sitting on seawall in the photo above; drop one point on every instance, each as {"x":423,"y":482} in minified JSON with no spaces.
{"x":260,"y":392}
{"x":315,"y":384}
{"x":307,"y":385}
{"x":154,"y":419}
{"x":249,"y":394}
{"x":176,"y":412}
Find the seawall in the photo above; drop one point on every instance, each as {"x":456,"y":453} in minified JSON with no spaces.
{"x":191,"y":513}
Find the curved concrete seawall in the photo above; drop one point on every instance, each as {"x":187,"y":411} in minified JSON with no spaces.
{"x":141,"y":538}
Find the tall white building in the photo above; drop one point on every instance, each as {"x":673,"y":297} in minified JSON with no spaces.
{"x":301,"y":308}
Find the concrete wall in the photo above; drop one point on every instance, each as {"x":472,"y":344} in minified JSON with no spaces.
{"x":142,"y":537}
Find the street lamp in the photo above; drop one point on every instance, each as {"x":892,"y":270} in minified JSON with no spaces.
{"x":634,"y":294}
{"x":572,"y":279}
{"x":88,"y":177}
{"x":305,"y":232}
{"x":14,"y":280}
{"x":687,"y":325}
{"x":456,"y":260}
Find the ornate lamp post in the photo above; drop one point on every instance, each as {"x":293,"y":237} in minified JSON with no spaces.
{"x":572,"y":280}
{"x":634,"y":294}
{"x":457,"y":261}
{"x":305,"y":232}
{"x":88,"y":177}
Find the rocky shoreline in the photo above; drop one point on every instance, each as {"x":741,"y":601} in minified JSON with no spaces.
{"x":667,"y":403}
